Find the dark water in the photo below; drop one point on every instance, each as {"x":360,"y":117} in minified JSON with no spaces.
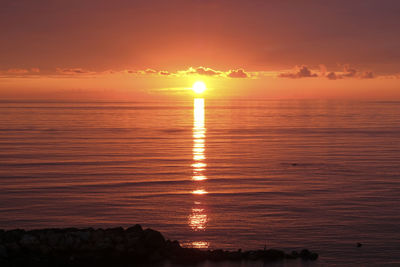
{"x":285,"y":174}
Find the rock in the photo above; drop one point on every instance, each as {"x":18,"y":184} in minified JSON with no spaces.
{"x":172,"y":245}
{"x":120,"y":248}
{"x":132,"y":241}
{"x":29,"y":241}
{"x":53,"y":239}
{"x":97,"y":235}
{"x":44,"y":249}
{"x":252,"y":255}
{"x":189,"y":256}
{"x":69,"y":241}
{"x":104,"y":244}
{"x":117,"y":234}
{"x":13,"y":248}
{"x":313,"y":256}
{"x":155,"y":257}
{"x":136,"y":229}
{"x":68,"y":230}
{"x":114,"y":231}
{"x":133,"y":235}
{"x":216,"y":255}
{"x":273,"y":255}
{"x":153,"y":239}
{"x":305,"y":254}
{"x":359,"y":245}
{"x":234,"y":256}
{"x":115,"y":247}
{"x":13,"y":235}
{"x":83,"y":236}
{"x":3,"y":252}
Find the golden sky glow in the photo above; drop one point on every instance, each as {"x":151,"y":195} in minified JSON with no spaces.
{"x":140,"y":50}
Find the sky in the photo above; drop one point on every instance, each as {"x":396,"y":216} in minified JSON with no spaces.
{"x":149,"y":49}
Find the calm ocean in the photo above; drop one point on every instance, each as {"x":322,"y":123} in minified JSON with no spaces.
{"x":322,"y":175}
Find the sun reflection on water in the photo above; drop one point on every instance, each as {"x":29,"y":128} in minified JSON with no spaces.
{"x":199,"y":192}
{"x":198,"y":217}
{"x":200,"y":244}
{"x":199,"y":134}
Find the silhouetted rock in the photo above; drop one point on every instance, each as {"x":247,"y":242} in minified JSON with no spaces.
{"x":136,"y":229}
{"x":29,"y":241}
{"x":293,"y":255}
{"x":114,"y":247}
{"x":3,"y":252}
{"x":234,"y":255}
{"x":217,"y":255}
{"x":313,"y":256}
{"x":273,"y":255}
{"x":13,"y":248}
{"x":305,"y":254}
{"x":12,"y":235}
{"x":153,"y":239}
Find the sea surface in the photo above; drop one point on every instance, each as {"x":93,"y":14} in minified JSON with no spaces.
{"x":286,"y":174}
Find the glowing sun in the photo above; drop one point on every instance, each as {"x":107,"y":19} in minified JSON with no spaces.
{"x":199,"y":87}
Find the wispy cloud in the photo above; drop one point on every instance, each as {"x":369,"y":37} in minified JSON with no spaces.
{"x":203,"y":71}
{"x":367,"y":75}
{"x":332,"y":76}
{"x":239,"y":73}
{"x":73,"y":71}
{"x":164,"y":73}
{"x":20,"y":72}
{"x":299,"y":72}
{"x":350,"y":72}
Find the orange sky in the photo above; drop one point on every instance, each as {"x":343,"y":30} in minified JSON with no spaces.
{"x":133,"y":50}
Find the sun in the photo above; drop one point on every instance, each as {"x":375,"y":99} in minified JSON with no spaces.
{"x":199,"y":87}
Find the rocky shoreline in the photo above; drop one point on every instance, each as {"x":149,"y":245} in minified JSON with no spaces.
{"x":116,"y":247}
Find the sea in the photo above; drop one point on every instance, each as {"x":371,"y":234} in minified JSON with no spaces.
{"x":232,"y":174}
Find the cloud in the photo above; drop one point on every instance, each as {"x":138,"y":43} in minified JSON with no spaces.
{"x":323,"y":69}
{"x":349,"y":72}
{"x":367,"y":75}
{"x":164,"y":73}
{"x":239,"y":73}
{"x":129,"y":71}
{"x":17,"y":72}
{"x":299,"y":72}
{"x":207,"y":71}
{"x":234,"y":73}
{"x":73,"y":71}
{"x":332,"y":76}
{"x":139,"y":72}
{"x":150,"y":71}
{"x":35,"y":70}
{"x":200,"y":71}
